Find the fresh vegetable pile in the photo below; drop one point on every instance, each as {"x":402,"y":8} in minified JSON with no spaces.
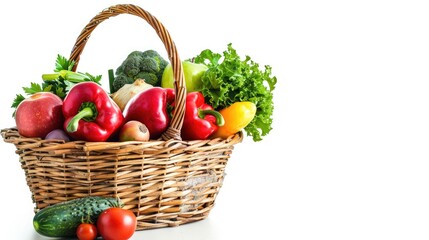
{"x":226,"y":94}
{"x":85,"y":218}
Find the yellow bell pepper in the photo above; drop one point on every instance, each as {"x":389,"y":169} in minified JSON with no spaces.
{"x":237,"y":116}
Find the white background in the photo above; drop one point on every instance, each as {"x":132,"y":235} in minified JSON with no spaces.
{"x":348,"y":155}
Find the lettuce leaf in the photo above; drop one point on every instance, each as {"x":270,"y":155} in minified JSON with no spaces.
{"x":230,"y":79}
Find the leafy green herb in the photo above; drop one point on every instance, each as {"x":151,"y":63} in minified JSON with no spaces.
{"x":18,"y":99}
{"x":59,"y":82}
{"x":231,"y":79}
{"x":63,"y":63}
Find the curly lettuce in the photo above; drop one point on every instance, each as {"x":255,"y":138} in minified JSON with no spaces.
{"x":230,"y":79}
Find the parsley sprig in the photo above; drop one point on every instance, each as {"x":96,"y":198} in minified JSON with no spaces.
{"x":59,"y":82}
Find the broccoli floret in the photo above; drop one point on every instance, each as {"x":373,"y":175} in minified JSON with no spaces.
{"x":132,"y":66}
{"x":162,"y":66}
{"x":162,"y":63}
{"x":155,"y":55}
{"x":149,"y":78}
{"x":148,"y":65}
{"x":121,"y":80}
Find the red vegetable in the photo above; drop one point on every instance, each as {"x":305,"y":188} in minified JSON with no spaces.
{"x":116,"y":224}
{"x":151,"y":108}
{"x":39,"y":114}
{"x":90,"y":113}
{"x":200,"y":119}
{"x":86,"y":231}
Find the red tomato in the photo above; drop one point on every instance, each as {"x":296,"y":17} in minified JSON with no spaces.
{"x":86,"y":231}
{"x":116,"y":224}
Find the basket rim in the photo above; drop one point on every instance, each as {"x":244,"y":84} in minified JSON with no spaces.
{"x":11,"y":135}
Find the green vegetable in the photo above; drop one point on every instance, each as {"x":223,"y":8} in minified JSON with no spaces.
{"x":147,"y":65}
{"x":62,"y":219}
{"x":162,"y":63}
{"x":231,"y":79}
{"x":74,"y":77}
{"x":58,"y":82}
{"x":120,"y":81}
{"x":148,"y":77}
{"x":111,"y":75}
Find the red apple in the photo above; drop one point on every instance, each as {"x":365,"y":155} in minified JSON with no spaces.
{"x":134,"y":131}
{"x":39,"y":114}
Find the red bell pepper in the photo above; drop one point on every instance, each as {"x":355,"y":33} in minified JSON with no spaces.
{"x":90,"y":114}
{"x":151,"y":107}
{"x":201,"y":120}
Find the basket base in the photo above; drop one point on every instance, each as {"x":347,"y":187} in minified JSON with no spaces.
{"x":165,"y":183}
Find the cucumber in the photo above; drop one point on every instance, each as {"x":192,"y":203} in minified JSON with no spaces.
{"x":62,"y":219}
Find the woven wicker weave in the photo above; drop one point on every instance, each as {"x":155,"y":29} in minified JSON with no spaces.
{"x":166,"y":182}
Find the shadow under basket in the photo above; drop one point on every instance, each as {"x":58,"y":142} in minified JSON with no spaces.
{"x":166,"y":182}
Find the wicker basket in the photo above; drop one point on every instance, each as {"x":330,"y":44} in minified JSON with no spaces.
{"x":166,"y":182}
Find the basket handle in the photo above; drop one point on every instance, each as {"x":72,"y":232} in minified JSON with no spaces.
{"x":173,"y":131}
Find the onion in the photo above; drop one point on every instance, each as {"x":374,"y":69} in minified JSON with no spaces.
{"x":126,"y":92}
{"x":58,"y":134}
